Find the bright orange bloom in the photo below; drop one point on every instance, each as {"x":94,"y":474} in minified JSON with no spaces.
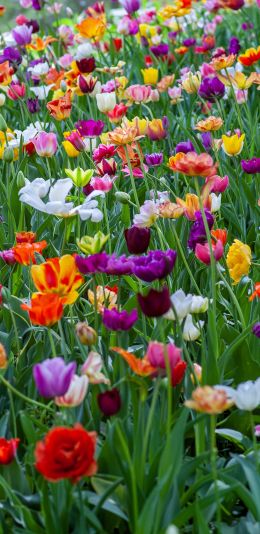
{"x":193,"y":164}
{"x":140,"y":367}
{"x":45,"y":309}
{"x":210,"y":124}
{"x":191,"y":204}
{"x":133,"y":154}
{"x":25,"y":237}
{"x":220,"y":234}
{"x":92,"y":28}
{"x":181,"y":50}
{"x":59,"y":276}
{"x":40,"y":44}
{"x":60,"y":109}
{"x":256,"y":292}
{"x":207,"y":399}
{"x":5,"y":73}
{"x":223,"y":62}
{"x":24,"y":252}
{"x":251,"y":56}
{"x":54,"y":77}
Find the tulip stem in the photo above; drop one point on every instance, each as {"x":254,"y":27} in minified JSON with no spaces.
{"x":52,"y":344}
{"x":233,"y":297}
{"x":254,"y":439}
{"x":213,"y":460}
{"x":183,"y":257}
{"x":149,"y":423}
{"x":132,"y":177}
{"x":24,"y":397}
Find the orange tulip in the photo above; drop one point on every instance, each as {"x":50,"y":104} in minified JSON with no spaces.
{"x":256,"y":293}
{"x":25,"y":237}
{"x":24,"y":251}
{"x":123,"y":136}
{"x":92,"y":28}
{"x":220,"y":234}
{"x":60,"y":109}
{"x":193,"y":164}
{"x":45,"y":309}
{"x":5,"y":73}
{"x":140,"y":367}
{"x":59,"y":276}
{"x":251,"y":55}
{"x":210,"y":124}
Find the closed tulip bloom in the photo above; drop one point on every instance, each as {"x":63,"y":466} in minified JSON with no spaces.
{"x":202,"y":251}
{"x":92,"y":369}
{"x":16,"y":90}
{"x":22,"y":34}
{"x":217,"y":184}
{"x":233,"y":145}
{"x":150,"y":75}
{"x":137,"y":239}
{"x":239,"y":259}
{"x":157,"y":354}
{"x":53,"y":376}
{"x":45,"y":144}
{"x":76,"y":393}
{"x":184,"y":147}
{"x":109,"y":402}
{"x":155,"y":303}
{"x":246,"y":396}
{"x":106,"y":101}
{"x":191,"y":331}
{"x":211,"y":88}
{"x":198,"y":231}
{"x":8,"y":448}
{"x":156,"y":265}
{"x":119,"y":320}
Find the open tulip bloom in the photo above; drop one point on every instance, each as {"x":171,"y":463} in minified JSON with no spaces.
{"x":129,"y":259}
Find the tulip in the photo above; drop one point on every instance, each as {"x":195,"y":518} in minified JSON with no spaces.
{"x":148,"y":215}
{"x":109,"y":402}
{"x":53,"y":376}
{"x":45,"y":144}
{"x":210,"y":400}
{"x":190,"y":331}
{"x":86,"y":334}
{"x":202,"y":251}
{"x":8,"y":449}
{"x":119,"y":320}
{"x":155,"y":303}
{"x":137,"y":239}
{"x":80,"y":177}
{"x":22,"y":34}
{"x":75,"y":394}
{"x":251,"y":166}
{"x":106,"y":101}
{"x":150,"y":75}
{"x":246,"y":396}
{"x":158,"y":354}
{"x":233,"y":145}
{"x":156,"y":265}
{"x":92,"y":367}
{"x":256,"y":329}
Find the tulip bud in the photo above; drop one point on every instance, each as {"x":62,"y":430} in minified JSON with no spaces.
{"x":8,"y":155}
{"x":5,"y":294}
{"x":20,"y":179}
{"x":3,"y":125}
{"x":92,"y":245}
{"x":109,"y":402}
{"x":2,"y":99}
{"x":86,"y":334}
{"x":123,"y":198}
{"x":137,"y":239}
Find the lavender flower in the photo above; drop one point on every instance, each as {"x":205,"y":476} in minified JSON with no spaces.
{"x":198,"y":230}
{"x":53,"y":376}
{"x":119,"y":320}
{"x":154,"y":159}
{"x":157,"y":264}
{"x":211,"y":88}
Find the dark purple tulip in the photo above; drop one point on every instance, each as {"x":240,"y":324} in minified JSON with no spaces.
{"x":137,"y":239}
{"x":155,"y":159}
{"x":234,"y":45}
{"x":206,"y":139}
{"x":184,"y":146}
{"x":34,"y":25}
{"x":155,"y":303}
{"x":22,"y":34}
{"x":211,"y":88}
{"x":157,"y":264}
{"x":119,"y":320}
{"x":33,"y":105}
{"x":86,"y":65}
{"x":90,"y":128}
{"x":8,"y":256}
{"x":247,"y":26}
{"x":92,"y":264}
{"x":198,"y":230}
{"x":37,"y":4}
{"x":130,"y":5}
{"x":161,"y":49}
{"x":256,"y":329}
{"x":53,"y":376}
{"x":118,"y":265}
{"x":109,"y":402}
{"x":251,"y":166}
{"x":189,"y":42}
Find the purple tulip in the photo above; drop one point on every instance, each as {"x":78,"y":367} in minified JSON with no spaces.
{"x":53,"y":376}
{"x":22,"y":34}
{"x":189,"y":42}
{"x":34,"y":24}
{"x":206,"y":138}
{"x":155,"y":303}
{"x":119,"y":265}
{"x":92,"y":264}
{"x":130,"y":5}
{"x":251,"y":166}
{"x":198,"y":230}
{"x":90,"y":128}
{"x":137,"y":239}
{"x":33,"y":105}
{"x":256,"y":329}
{"x":119,"y":320}
{"x":109,"y":402}
{"x":211,"y":88}
{"x":157,"y":264}
{"x":37,"y":4}
{"x":105,"y":263}
{"x":155,"y":159}
{"x":8,"y":256}
{"x":161,"y":49}
{"x":12,"y":55}
{"x":184,"y":146}
{"x":234,"y":45}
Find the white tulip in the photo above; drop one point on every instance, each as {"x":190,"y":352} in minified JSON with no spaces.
{"x":215,"y":202}
{"x":106,"y":101}
{"x":75,"y":394}
{"x":246,"y":396}
{"x":83,"y":50}
{"x":199,"y":304}
{"x":181,"y":303}
{"x":190,"y":331}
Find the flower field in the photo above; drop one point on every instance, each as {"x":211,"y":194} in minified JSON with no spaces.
{"x":129,"y":257}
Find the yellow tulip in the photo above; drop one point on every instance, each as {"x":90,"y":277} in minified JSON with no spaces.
{"x":150,"y":75}
{"x":233,"y":145}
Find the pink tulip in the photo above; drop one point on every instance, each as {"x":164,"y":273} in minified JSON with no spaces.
{"x":202,"y":251}
{"x":45,"y":144}
{"x":217,"y":184}
{"x":16,"y":91}
{"x":139,"y":93}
